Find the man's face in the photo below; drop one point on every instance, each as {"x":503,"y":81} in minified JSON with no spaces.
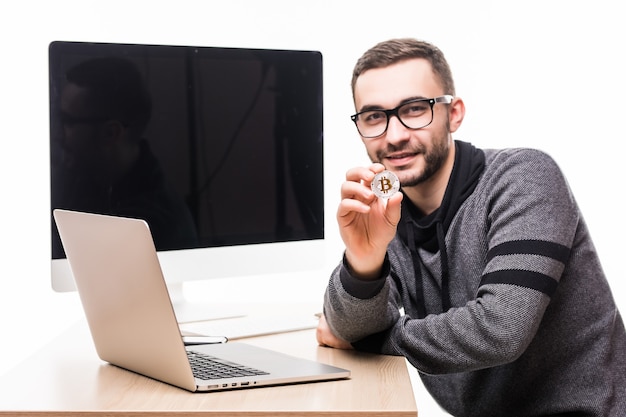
{"x":413,"y":155}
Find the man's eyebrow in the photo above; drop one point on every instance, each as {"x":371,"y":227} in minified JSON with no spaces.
{"x":370,"y":107}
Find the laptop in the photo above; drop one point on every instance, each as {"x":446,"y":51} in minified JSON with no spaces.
{"x":132,"y":322}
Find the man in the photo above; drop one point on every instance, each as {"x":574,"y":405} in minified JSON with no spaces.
{"x":481,"y":272}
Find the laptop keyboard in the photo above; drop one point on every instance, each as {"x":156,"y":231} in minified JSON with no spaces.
{"x":209,"y":367}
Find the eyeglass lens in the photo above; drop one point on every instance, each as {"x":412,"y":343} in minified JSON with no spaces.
{"x":413,"y":115}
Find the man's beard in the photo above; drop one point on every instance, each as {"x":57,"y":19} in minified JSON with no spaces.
{"x":433,"y":160}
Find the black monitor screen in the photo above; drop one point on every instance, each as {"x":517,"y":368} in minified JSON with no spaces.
{"x":211,"y":146}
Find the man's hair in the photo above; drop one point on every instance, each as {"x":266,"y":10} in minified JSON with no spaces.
{"x":395,"y":50}
{"x":116,"y":90}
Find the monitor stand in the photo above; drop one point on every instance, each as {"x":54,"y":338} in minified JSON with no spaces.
{"x":187,"y":311}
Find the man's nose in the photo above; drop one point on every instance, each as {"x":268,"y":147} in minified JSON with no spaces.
{"x":396,"y":131}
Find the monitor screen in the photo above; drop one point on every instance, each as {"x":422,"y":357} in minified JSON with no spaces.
{"x":220,"y":150}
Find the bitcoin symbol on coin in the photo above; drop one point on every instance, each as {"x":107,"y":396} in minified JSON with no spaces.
{"x":385,"y":184}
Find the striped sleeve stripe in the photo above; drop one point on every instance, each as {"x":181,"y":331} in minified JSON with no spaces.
{"x":521,"y":278}
{"x":531,"y":247}
{"x":524,"y":278}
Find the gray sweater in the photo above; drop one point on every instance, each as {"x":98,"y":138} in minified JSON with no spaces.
{"x":532,"y":328}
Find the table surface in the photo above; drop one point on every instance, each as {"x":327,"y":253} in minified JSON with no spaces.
{"x":66,"y":377}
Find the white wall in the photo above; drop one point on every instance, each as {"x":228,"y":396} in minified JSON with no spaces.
{"x":546,"y":74}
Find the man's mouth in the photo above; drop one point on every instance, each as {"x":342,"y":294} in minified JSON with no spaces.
{"x":402,"y":155}
{"x":400,"y":158}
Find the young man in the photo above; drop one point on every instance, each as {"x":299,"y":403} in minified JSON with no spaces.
{"x":506,"y":310}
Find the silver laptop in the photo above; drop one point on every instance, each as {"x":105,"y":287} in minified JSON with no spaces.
{"x":133,"y":324}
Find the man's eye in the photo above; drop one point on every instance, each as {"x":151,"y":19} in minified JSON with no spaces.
{"x":414,"y":109}
{"x":373,"y":117}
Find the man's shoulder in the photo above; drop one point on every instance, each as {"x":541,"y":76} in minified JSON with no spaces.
{"x":520,"y":153}
{"x":519,"y":158}
{"x":517,"y":170}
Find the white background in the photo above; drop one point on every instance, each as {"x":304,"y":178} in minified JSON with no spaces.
{"x":544,"y":74}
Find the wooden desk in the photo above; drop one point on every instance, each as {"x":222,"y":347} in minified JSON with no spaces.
{"x":68,"y":378}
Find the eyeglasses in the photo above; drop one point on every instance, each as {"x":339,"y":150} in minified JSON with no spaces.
{"x":414,"y":114}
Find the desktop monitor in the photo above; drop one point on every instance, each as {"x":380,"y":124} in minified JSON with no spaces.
{"x":220,"y":150}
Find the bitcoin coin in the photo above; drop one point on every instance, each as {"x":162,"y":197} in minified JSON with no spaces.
{"x":385,"y":184}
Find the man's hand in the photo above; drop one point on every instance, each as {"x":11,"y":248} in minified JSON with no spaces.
{"x":366,"y":223}
{"x":325,"y":336}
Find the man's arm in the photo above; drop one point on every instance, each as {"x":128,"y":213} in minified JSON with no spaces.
{"x":366,"y":223}
{"x":532,"y":202}
{"x":326,"y":337}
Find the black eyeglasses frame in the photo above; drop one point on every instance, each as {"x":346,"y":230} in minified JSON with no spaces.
{"x":445,"y":99}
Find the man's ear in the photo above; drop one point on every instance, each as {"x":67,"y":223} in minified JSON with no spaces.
{"x":456,"y":113}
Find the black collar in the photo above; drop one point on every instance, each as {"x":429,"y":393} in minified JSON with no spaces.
{"x":469,"y":163}
{"x":429,"y":232}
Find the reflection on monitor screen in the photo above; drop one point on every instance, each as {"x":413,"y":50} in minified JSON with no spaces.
{"x":220,"y":150}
